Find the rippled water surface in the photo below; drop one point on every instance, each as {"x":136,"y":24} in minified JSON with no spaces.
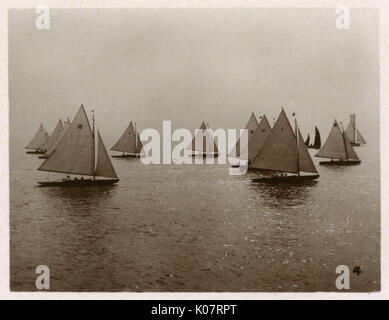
{"x":196,"y":228}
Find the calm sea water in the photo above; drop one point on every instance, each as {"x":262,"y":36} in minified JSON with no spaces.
{"x":196,"y":228}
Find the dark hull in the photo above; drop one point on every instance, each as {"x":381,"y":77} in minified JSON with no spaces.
{"x":287,"y":179}
{"x":355,"y":144}
{"x":126,"y":156}
{"x":36,"y":152}
{"x":78,"y":183}
{"x":205,"y":155}
{"x":44,"y":156}
{"x":313,"y":147}
{"x":340,"y":162}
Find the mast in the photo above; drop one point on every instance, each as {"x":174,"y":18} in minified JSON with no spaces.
{"x":344,"y":140}
{"x":297,"y":144}
{"x":94,"y":147}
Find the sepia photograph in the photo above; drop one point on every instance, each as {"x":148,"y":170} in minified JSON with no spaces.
{"x":194,"y":149}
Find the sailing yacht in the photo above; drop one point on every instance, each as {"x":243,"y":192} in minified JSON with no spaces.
{"x":75,"y":154}
{"x":208,"y":147}
{"x":338,"y":148}
{"x":39,"y":139}
{"x":353,"y":133}
{"x":317,"y":143}
{"x":129,"y":143}
{"x":54,"y":142}
{"x":251,"y":126}
{"x":284,"y":156}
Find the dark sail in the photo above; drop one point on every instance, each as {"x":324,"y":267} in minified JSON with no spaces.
{"x":307,"y":141}
{"x":317,"y":143}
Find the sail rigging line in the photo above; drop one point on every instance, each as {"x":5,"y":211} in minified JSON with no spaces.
{"x":297,"y":145}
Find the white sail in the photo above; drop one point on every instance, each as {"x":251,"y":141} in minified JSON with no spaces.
{"x":74,"y":152}
{"x":39,"y":139}
{"x":350,"y":129}
{"x":259,"y":137}
{"x":127,"y":142}
{"x":279,"y":151}
{"x":104,"y":166}
{"x":204,"y":135}
{"x":360,"y":139}
{"x":55,"y":135}
{"x":337,"y":145}
{"x":251,"y":126}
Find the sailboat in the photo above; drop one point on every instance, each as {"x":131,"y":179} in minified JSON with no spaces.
{"x":353,"y":133}
{"x":338,"y":146}
{"x":39,"y":139}
{"x":75,"y":154}
{"x":129,"y":143}
{"x":317,"y":143}
{"x":307,"y":141}
{"x":206,"y":149}
{"x":53,"y":145}
{"x":284,"y":156}
{"x":251,"y":126}
{"x":52,"y":138}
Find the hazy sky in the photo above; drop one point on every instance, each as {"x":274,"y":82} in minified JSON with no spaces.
{"x":189,"y":65}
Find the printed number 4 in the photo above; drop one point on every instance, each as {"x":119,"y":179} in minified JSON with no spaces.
{"x":357,"y":270}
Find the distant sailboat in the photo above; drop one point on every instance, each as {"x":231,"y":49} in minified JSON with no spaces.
{"x":353,"y":133}
{"x":208,"y":147}
{"x":338,"y":146}
{"x":39,"y":139}
{"x":251,"y":126}
{"x":317,"y":142}
{"x":52,"y":147}
{"x":307,"y":141}
{"x":285,"y":154}
{"x":55,"y":135}
{"x":75,"y":154}
{"x":129,"y":143}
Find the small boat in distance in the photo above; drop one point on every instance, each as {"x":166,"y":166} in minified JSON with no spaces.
{"x":54,"y":143}
{"x":208,"y":147}
{"x":129,"y":143}
{"x":337,"y":146}
{"x":353,"y":133}
{"x":284,"y":156}
{"x":39,"y":139}
{"x":307,"y":141}
{"x":317,"y":143}
{"x":75,"y":154}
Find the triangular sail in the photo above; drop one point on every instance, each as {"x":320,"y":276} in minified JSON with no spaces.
{"x":350,"y":129}
{"x":104,"y":166}
{"x":74,"y":152}
{"x":127,"y":142}
{"x":65,"y":128}
{"x":337,"y":145}
{"x":55,"y":135}
{"x":360,"y":139}
{"x":307,"y":141}
{"x":317,"y":143}
{"x":139,"y":145}
{"x":258,"y":138}
{"x":208,"y":145}
{"x":39,"y":139}
{"x":279,"y":152}
{"x":305,"y":160}
{"x":251,"y":126}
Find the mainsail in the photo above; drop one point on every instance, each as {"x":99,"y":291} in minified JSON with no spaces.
{"x":251,"y":126}
{"x":127,"y":142}
{"x":55,"y":135}
{"x":352,"y":132}
{"x":281,"y":151}
{"x":317,"y":143}
{"x":50,"y":150}
{"x":258,"y":138}
{"x":204,"y":134}
{"x":337,"y":145}
{"x":104,"y":166}
{"x":39,"y":139}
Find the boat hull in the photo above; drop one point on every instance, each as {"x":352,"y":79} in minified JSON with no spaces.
{"x":126,"y":156}
{"x":78,"y":183}
{"x":205,"y":155}
{"x":44,"y":156}
{"x":311,"y":147}
{"x":355,"y":144}
{"x":287,"y":179}
{"x":340,"y":163}
{"x":36,"y":152}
